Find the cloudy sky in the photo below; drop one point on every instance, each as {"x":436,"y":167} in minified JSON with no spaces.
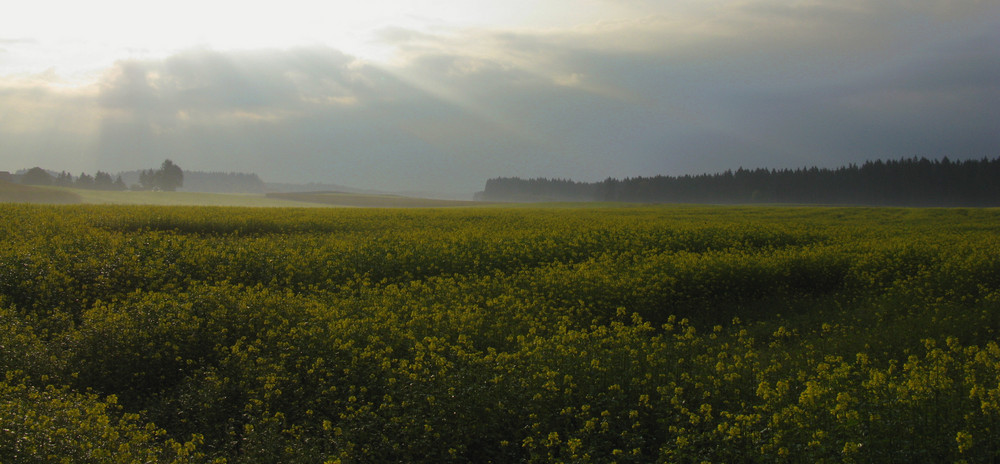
{"x":440,"y":95}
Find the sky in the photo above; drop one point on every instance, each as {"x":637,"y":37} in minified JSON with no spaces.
{"x":441,"y":95}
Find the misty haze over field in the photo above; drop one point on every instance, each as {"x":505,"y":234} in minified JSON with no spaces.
{"x":442,"y":95}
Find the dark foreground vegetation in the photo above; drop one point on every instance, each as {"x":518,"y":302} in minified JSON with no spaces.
{"x":906,"y":182}
{"x":676,"y":334}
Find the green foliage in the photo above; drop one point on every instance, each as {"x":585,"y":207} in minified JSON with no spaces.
{"x":36,"y":176}
{"x":168,"y":178}
{"x":57,"y":425}
{"x":670,"y":334}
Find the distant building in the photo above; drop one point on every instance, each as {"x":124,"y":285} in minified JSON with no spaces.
{"x":6,"y":176}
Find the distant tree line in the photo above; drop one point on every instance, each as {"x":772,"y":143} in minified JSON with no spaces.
{"x":903,"y":182}
{"x":99,"y":181}
{"x":168,"y":177}
{"x":215,"y":182}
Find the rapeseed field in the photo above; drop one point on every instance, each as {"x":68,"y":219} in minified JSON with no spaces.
{"x":548,"y":334}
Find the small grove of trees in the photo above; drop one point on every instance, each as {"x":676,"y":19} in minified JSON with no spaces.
{"x":36,"y":176}
{"x":168,"y":178}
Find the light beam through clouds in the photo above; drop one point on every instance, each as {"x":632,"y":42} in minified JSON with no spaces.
{"x":439,"y":95}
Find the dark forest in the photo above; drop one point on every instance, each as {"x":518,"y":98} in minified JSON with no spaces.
{"x":903,"y":182}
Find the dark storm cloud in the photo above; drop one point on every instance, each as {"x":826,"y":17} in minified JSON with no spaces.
{"x":215,"y":82}
{"x":942,"y":102}
{"x":795,"y":101}
{"x":290,"y":114}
